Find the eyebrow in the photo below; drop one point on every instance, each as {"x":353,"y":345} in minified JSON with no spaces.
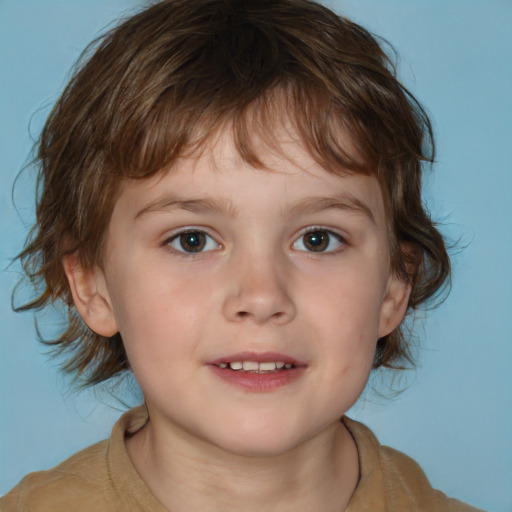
{"x":309,"y":205}
{"x":346,"y":202}
{"x":200,"y":205}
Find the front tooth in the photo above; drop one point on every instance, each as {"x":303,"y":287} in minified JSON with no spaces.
{"x":268,"y":366}
{"x":250,"y":365}
{"x":236,"y":365}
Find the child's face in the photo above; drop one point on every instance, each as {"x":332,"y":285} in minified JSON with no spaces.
{"x":217,"y":263}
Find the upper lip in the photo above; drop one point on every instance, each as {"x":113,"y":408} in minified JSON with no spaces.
{"x":259,"y":357}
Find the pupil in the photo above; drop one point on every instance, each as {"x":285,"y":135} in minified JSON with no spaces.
{"x":317,"y":241}
{"x":192,"y":242}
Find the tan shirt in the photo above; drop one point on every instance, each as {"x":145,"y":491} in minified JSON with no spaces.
{"x":102,"y":478}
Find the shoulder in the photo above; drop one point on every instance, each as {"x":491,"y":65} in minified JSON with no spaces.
{"x":391,"y":477}
{"x":97,"y":479}
{"x":81,"y":480}
{"x":404,"y":475}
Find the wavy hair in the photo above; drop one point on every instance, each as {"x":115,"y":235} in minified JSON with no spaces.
{"x":159,"y":85}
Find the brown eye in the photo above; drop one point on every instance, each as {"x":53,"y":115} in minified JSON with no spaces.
{"x":192,"y":242}
{"x":316,"y":241}
{"x":319,"y":240}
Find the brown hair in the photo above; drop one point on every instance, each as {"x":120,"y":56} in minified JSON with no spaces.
{"x":160,"y":84}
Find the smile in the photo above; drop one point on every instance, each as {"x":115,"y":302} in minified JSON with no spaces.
{"x":258,"y":372}
{"x":257,"y":367}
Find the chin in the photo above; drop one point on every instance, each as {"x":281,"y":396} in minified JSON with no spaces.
{"x":262,"y":447}
{"x":261,"y":441}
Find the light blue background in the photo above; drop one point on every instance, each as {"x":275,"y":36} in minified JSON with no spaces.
{"x":455,"y":418}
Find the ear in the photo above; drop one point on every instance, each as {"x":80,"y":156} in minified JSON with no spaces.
{"x":396,"y":300}
{"x":90,"y":295}
{"x":394,"y":305}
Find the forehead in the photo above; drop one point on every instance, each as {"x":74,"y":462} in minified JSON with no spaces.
{"x":218,"y":180}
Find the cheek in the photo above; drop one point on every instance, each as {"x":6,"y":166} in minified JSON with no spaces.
{"x":150,"y":293}
{"x":345,"y":310}
{"x":347,"y":303}
{"x":157,"y":313}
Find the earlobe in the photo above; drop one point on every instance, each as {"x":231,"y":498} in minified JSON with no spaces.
{"x":394,"y":305}
{"x":90,"y":296}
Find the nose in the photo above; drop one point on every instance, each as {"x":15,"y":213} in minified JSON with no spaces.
{"x":259,"y":292}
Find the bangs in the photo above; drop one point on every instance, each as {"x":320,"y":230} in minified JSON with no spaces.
{"x":288,"y":111}
{"x":170,"y":93}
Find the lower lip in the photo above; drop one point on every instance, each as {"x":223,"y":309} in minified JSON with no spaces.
{"x":259,"y":382}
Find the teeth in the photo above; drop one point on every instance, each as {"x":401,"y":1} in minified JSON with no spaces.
{"x":254,"y":366}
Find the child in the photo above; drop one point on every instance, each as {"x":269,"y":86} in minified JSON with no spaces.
{"x":231,"y":203}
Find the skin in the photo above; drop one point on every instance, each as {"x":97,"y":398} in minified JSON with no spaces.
{"x":256,"y":287}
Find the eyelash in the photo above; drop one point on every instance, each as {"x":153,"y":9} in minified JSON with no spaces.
{"x":204,"y":241}
{"x":331,"y":236}
{"x":208,"y":239}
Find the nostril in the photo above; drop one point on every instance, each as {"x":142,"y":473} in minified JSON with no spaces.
{"x":258,"y":307}
{"x":241,"y":315}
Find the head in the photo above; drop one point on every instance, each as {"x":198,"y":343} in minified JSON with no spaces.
{"x":170,"y":81}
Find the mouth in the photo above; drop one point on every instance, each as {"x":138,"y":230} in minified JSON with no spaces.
{"x":256,"y":367}
{"x":258,"y":372}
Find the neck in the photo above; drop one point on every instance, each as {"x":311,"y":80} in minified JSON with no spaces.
{"x":192,"y":475}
